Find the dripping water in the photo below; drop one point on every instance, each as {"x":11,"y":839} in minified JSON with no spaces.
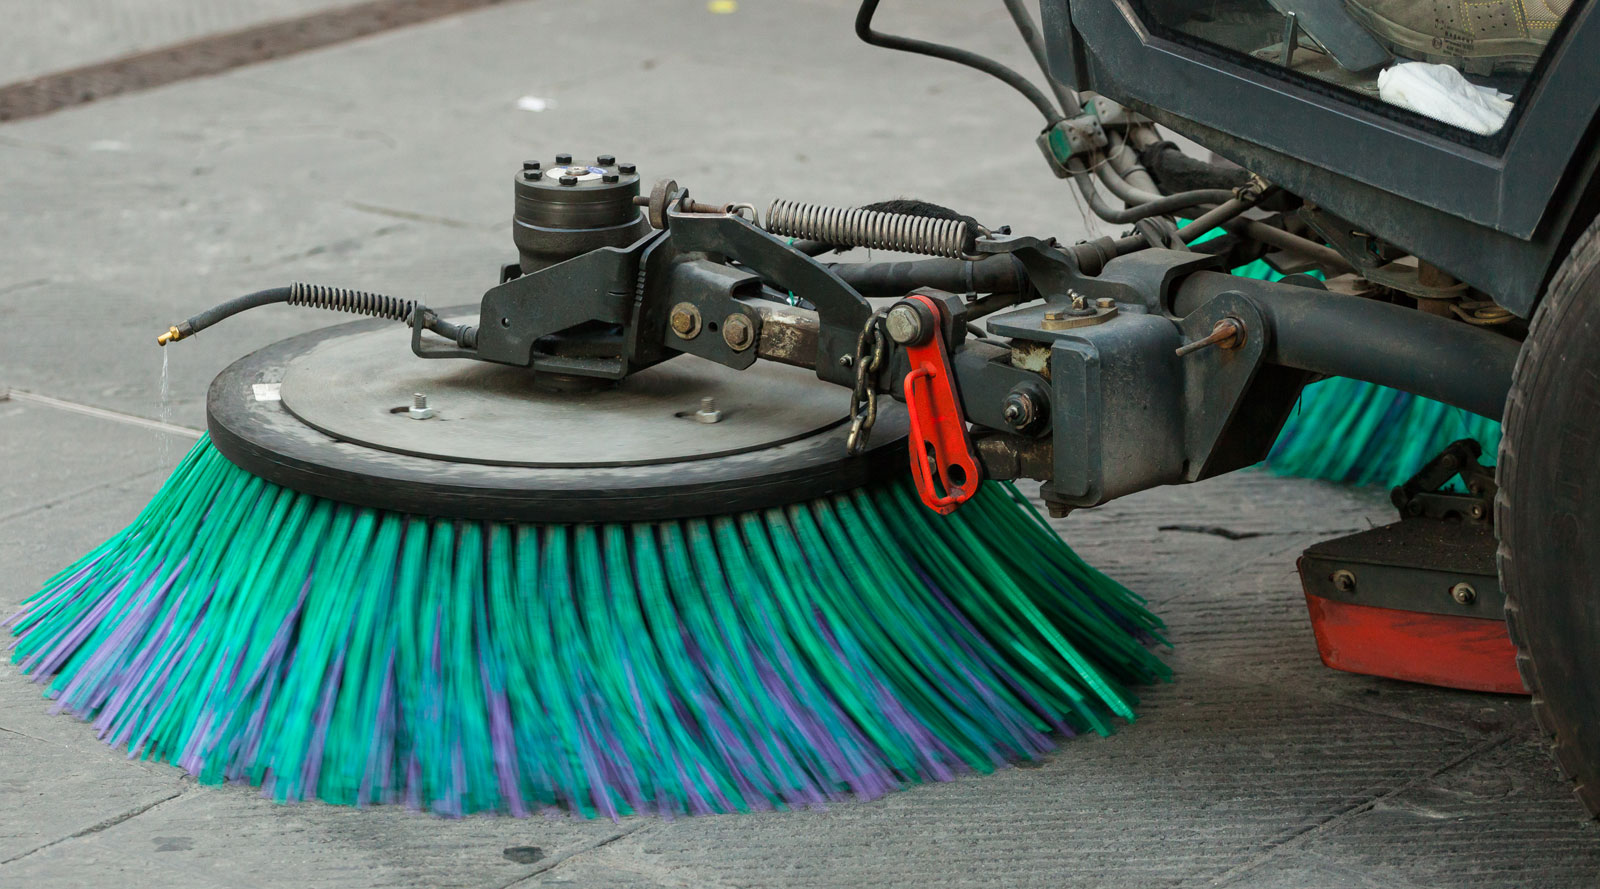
{"x":164,"y":449}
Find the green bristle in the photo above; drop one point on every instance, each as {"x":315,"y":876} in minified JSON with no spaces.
{"x":1361,"y":433}
{"x":850,"y":644}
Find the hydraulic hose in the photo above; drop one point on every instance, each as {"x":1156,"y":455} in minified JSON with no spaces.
{"x":338,"y":299}
{"x":1030,"y":35}
{"x":993,"y":275}
{"x":985,"y":64}
{"x":1165,"y":206}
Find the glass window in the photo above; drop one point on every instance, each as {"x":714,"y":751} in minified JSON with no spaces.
{"x":1462,"y":63}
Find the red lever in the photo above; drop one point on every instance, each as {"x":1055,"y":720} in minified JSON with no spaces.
{"x":939,"y":440}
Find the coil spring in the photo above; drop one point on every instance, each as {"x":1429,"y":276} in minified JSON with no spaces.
{"x":852,"y":227}
{"x":358,"y":302}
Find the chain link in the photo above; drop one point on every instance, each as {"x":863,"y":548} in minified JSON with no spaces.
{"x":871,"y":347}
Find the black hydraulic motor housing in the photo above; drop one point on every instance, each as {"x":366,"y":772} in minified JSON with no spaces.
{"x":566,"y":209}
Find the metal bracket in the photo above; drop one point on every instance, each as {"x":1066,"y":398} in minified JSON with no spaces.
{"x":1216,"y":378}
{"x":1422,"y":495}
{"x":841,"y":311}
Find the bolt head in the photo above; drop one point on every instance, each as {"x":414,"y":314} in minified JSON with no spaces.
{"x":1105,"y":302}
{"x":530,"y":165}
{"x":1464,"y":594}
{"x":903,"y":324}
{"x":1055,"y":315}
{"x":627,"y":169}
{"x":685,"y":320}
{"x":846,"y":361}
{"x":1344,"y":580}
{"x":569,"y":180}
{"x":563,"y":159}
{"x":609,"y":177}
{"x":532,"y":175}
{"x":738,"y":331}
{"x":605,"y":160}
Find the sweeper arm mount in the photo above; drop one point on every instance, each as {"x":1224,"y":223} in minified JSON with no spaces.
{"x":1106,"y":367}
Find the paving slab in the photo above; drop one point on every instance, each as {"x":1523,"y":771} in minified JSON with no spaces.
{"x":385,"y":163}
{"x":42,"y":38}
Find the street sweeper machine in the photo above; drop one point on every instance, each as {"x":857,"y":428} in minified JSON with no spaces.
{"x":689,"y":513}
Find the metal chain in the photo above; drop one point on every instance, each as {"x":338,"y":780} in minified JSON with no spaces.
{"x":871,"y":346}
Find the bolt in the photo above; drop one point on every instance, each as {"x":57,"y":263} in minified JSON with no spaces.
{"x":569,"y":180}
{"x":1227,"y":333}
{"x":1078,"y":301}
{"x":609,"y":177}
{"x":1105,"y":302}
{"x":1018,"y":410}
{"x":1464,"y":594}
{"x":605,"y":160}
{"x":419,"y":407}
{"x":563,"y":159}
{"x":846,"y":361}
{"x":1477,"y":510}
{"x":1344,"y":580}
{"x":1056,"y":315}
{"x":904,"y":324}
{"x":530,"y":165}
{"x":532,"y":175}
{"x":627,"y":169}
{"x":685,"y":320}
{"x":738,"y":332}
{"x":708,"y":412}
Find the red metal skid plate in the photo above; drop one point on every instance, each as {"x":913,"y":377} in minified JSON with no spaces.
{"x":1436,"y":649}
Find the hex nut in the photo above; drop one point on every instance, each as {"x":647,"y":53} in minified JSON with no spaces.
{"x":708,"y":412}
{"x":1019,"y":410}
{"x":685,"y":320}
{"x":738,"y":331}
{"x":1464,"y":594}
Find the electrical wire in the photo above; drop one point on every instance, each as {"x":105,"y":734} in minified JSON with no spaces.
{"x":960,"y":56}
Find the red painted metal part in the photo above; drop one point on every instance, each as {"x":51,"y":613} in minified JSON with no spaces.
{"x":939,"y":440}
{"x":1437,"y":649}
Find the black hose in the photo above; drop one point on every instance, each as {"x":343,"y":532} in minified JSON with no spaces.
{"x":995,"y":274}
{"x":971,"y":59}
{"x":233,"y":307}
{"x":1172,"y":203}
{"x":1030,"y":35}
{"x":338,"y":299}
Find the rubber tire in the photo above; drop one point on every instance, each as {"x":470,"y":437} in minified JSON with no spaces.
{"x":1548,"y":516}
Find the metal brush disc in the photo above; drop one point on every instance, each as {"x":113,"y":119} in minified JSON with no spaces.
{"x":327,"y":413}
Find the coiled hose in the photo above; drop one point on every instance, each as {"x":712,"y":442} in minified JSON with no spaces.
{"x":338,"y":299}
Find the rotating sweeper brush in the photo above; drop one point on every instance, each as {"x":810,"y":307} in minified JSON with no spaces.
{"x":615,"y":564}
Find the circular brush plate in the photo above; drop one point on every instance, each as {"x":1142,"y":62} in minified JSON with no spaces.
{"x":326,"y":413}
